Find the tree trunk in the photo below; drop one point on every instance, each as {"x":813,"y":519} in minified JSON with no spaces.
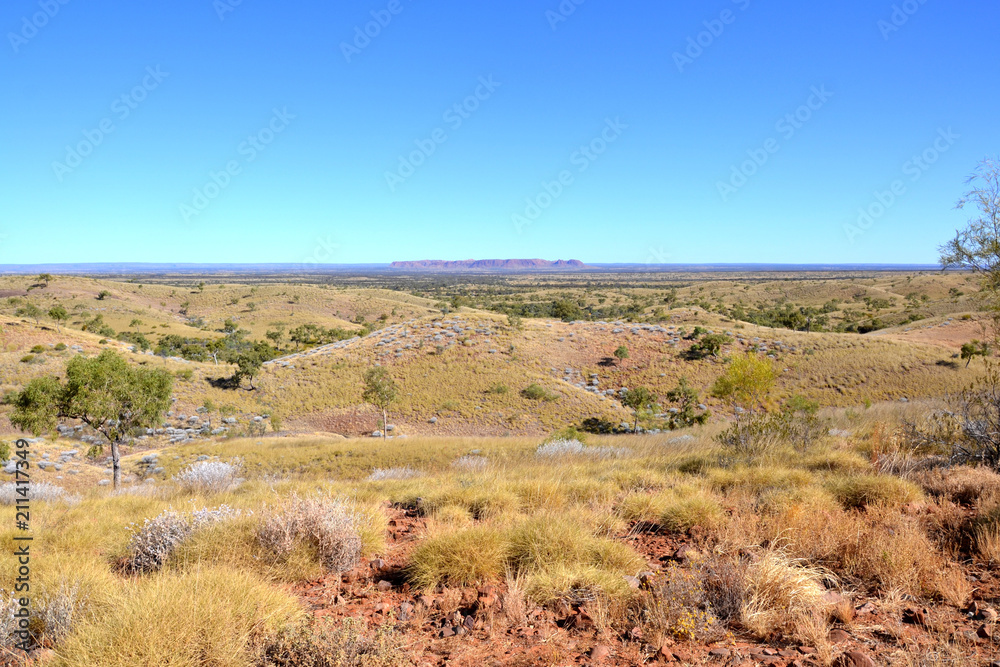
{"x":116,"y":464}
{"x":636,"y":427}
{"x":385,"y":424}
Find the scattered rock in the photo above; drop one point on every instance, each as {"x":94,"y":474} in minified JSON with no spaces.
{"x":855,"y":659}
{"x":838,"y":636}
{"x":447,"y":631}
{"x":600,"y":652}
{"x":719,"y":653}
{"x":915,"y":617}
{"x":383,"y":586}
{"x":984,"y":632}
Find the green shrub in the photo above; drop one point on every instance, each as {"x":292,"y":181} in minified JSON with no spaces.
{"x":38,"y":349}
{"x":536,"y":392}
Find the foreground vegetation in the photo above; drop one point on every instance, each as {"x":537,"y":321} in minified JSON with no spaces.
{"x":866,"y":513}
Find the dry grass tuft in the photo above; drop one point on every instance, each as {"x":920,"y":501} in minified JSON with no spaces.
{"x":781,"y":594}
{"x":325,"y":525}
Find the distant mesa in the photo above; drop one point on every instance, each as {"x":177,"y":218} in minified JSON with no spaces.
{"x":489,"y":265}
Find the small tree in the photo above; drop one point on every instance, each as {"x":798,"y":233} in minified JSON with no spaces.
{"x":977,"y":246}
{"x":103,"y":294}
{"x":104,"y":392}
{"x":275,"y":336}
{"x":687,"y":397}
{"x":708,"y":346}
{"x":29,"y":310}
{"x":248,"y":365}
{"x":135,"y":324}
{"x":974,"y":349}
{"x":747,"y":382}
{"x":45,"y":278}
{"x":380,"y":391}
{"x":621,"y":353}
{"x":639,"y":399}
{"x":59,"y":314}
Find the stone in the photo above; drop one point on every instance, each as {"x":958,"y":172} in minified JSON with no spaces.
{"x":447,"y":631}
{"x":915,"y":617}
{"x":600,"y":652}
{"x":719,"y":653}
{"x":632,"y":582}
{"x":383,"y":586}
{"x":855,"y":659}
{"x":838,"y":636}
{"x":984,"y":632}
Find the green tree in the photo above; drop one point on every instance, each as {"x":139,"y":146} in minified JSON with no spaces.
{"x":45,"y":278}
{"x":135,"y":324}
{"x":686,"y":397}
{"x":105,"y":392}
{"x":380,"y":391}
{"x":29,"y":310}
{"x":59,"y":314}
{"x":248,"y":365}
{"x":275,"y":336}
{"x":103,"y":294}
{"x":974,"y":349}
{"x":747,"y":382}
{"x":640,"y":400}
{"x":621,"y":353}
{"x":708,"y":346}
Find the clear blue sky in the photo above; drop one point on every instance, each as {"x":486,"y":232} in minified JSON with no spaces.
{"x":184,"y":85}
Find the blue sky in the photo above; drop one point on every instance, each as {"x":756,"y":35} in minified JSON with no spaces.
{"x":722,"y":131}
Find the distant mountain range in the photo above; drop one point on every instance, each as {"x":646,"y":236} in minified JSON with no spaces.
{"x":488,"y":264}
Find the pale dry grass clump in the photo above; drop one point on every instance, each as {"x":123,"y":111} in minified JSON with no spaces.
{"x":394,"y":474}
{"x":36,"y":491}
{"x":156,"y":540}
{"x":211,"y":476}
{"x":781,"y":594}
{"x":325,"y":525}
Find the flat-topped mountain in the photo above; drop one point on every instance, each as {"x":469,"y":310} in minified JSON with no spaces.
{"x":489,"y":264}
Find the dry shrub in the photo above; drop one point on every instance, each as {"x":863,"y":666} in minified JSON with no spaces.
{"x":878,"y":549}
{"x":961,"y":484}
{"x":781,"y":594}
{"x":347,"y":645}
{"x":211,"y":476}
{"x":151,"y":545}
{"x":677,"y":606}
{"x":325,"y":525}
